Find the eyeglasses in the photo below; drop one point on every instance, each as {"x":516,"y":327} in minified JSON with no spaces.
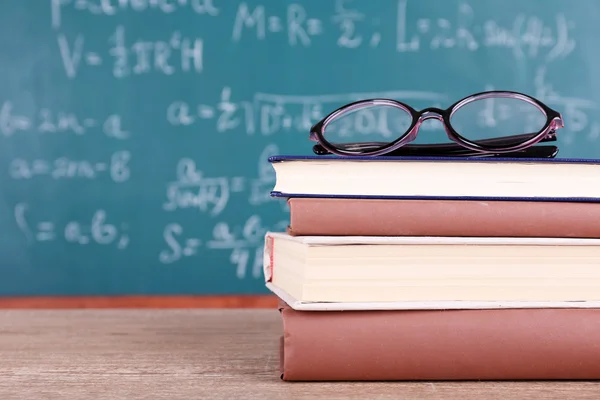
{"x":472,"y":123}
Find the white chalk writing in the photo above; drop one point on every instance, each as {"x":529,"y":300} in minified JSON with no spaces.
{"x":297,"y":25}
{"x":261,"y":187}
{"x":528,"y":37}
{"x":246,"y":247}
{"x":97,"y":230}
{"x":116,"y":7}
{"x":192,"y":189}
{"x":176,"y":53}
{"x":117,"y":168}
{"x":580,"y":114}
{"x":177,"y":250}
{"x":245,"y":244}
{"x":47,"y":121}
{"x":269,"y":114}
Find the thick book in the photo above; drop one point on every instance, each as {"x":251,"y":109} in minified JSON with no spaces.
{"x":543,"y":179}
{"x":514,"y":344}
{"x":395,"y":272}
{"x":385,"y":217}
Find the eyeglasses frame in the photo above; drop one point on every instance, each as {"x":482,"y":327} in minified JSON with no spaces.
{"x":553,"y":122}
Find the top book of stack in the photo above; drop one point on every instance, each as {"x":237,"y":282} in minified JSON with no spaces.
{"x":438,"y":178}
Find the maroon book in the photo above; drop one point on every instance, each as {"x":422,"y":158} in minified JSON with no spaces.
{"x":498,"y":344}
{"x":385,"y":217}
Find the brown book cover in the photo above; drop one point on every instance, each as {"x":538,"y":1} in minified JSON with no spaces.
{"x":385,"y":217}
{"x":505,"y":344}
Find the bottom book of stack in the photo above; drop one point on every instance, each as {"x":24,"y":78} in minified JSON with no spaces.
{"x":422,"y":308}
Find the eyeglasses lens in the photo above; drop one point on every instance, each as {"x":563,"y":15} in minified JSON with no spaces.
{"x":367,"y":127}
{"x":497,"y":117}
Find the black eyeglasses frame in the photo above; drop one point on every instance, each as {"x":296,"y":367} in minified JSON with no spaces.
{"x":461,"y":146}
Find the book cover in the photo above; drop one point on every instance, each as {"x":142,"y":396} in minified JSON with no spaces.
{"x":383,"y":217}
{"x":516,"y":344}
{"x":449,"y":178}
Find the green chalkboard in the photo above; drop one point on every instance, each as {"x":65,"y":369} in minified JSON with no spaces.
{"x":135,"y":133}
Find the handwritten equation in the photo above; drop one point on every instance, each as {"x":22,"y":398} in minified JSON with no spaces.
{"x":176,"y":54}
{"x":526,"y":36}
{"x":245,"y":244}
{"x":117,"y":168}
{"x":117,"y":7}
{"x":583,"y":124}
{"x":192,"y":189}
{"x":46,"y":121}
{"x":97,"y":230}
{"x":346,"y":27}
{"x":268,"y":114}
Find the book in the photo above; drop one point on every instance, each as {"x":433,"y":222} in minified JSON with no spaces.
{"x":513,"y":344}
{"x":432,"y":272}
{"x":416,"y":217}
{"x":540,"y":179}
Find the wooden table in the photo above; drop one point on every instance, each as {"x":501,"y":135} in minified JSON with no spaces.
{"x":192,"y":354}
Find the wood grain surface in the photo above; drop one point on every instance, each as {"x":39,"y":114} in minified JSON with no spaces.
{"x":193,"y":354}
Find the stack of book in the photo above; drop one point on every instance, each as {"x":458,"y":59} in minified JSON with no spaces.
{"x":437,"y":269}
